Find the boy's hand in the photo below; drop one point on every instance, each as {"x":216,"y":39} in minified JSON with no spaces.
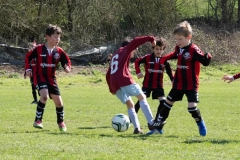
{"x":28,"y":73}
{"x":229,"y":78}
{"x":153,"y":43}
{"x":140,"y":75}
{"x":67,"y":68}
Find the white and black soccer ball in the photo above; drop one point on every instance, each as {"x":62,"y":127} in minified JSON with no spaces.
{"x":120,"y":122}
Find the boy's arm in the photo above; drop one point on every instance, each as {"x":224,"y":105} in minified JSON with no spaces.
{"x":65,"y":62}
{"x":169,"y":70}
{"x":204,"y":59}
{"x":139,"y":41}
{"x":137,"y":64}
{"x":28,"y":58}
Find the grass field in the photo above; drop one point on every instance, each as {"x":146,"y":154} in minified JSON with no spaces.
{"x":89,"y":108}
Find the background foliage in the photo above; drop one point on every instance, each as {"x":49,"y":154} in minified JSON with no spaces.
{"x":91,"y":23}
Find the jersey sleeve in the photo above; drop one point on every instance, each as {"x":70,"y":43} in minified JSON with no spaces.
{"x":29,"y":57}
{"x":108,"y":80}
{"x":64,"y":59}
{"x":171,"y":55}
{"x":236,"y":76}
{"x":139,"y":41}
{"x":204,"y":59}
{"x":138,"y":62}
{"x":169,"y":70}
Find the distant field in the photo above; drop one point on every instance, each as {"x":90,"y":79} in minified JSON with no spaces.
{"x":89,"y":108}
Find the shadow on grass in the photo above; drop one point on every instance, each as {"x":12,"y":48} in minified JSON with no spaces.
{"x":213,"y":141}
{"x":94,"y":127}
{"x":35,"y":131}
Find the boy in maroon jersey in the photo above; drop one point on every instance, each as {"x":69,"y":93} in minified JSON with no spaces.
{"x":47,"y":57}
{"x":153,"y":79}
{"x":186,"y":78}
{"x":231,"y":78}
{"x":121,"y":83}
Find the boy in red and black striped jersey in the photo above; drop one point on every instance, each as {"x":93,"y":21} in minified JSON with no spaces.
{"x":31,"y":46}
{"x":47,"y":57}
{"x":186,"y":79}
{"x":153,"y":79}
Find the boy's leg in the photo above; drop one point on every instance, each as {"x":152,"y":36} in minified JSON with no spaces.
{"x":57,"y":99}
{"x":40,"y":108}
{"x":195,"y":112}
{"x":137,"y":106}
{"x":123,"y":95}
{"x":145,"y":108}
{"x":59,"y":111}
{"x":159,"y":94}
{"x":133,"y":116}
{"x":34,"y":94}
{"x":147,"y":92}
{"x":160,"y":107}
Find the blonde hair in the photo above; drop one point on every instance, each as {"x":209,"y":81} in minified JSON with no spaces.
{"x":183,"y":28}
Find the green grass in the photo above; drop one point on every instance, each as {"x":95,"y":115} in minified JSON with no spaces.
{"x":89,"y":108}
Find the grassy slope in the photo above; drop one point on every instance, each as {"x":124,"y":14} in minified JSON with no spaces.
{"x":89,"y":109}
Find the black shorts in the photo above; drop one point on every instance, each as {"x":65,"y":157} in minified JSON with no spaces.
{"x":156,"y":92}
{"x":177,"y":95}
{"x":51,"y":89}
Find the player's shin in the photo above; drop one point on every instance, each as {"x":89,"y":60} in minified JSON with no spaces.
{"x":133,"y":116}
{"x":39,"y":111}
{"x":137,"y":106}
{"x":60,"y":114}
{"x":146,"y":110}
{"x":195,"y":112}
{"x":160,"y":107}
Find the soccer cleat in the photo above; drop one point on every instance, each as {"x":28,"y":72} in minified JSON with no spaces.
{"x":38,"y":124}
{"x":158,"y":125}
{"x":34,"y":102}
{"x":62,"y":127}
{"x":155,"y":131}
{"x":202,"y":128}
{"x":137,"y":131}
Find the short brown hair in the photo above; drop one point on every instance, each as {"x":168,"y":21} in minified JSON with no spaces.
{"x":51,"y":29}
{"x":183,"y":28}
{"x":161,"y":42}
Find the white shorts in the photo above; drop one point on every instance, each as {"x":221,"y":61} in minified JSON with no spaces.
{"x":125,"y":93}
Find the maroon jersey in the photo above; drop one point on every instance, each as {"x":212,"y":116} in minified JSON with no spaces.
{"x":118,"y":75}
{"x":188,"y":66}
{"x":46,"y":64}
{"x":153,"y":70}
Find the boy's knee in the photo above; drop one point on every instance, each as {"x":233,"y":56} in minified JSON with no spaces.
{"x":45,"y":98}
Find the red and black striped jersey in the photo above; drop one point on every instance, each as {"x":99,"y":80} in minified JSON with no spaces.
{"x":187,"y":72}
{"x":46,"y":63}
{"x":153,"y":70}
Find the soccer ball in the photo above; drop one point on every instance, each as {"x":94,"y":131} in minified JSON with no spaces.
{"x":120,"y":122}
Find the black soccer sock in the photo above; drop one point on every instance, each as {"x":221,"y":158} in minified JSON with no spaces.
{"x":137,"y":106}
{"x":60,"y":114}
{"x":195,"y":113}
{"x":164,"y":113}
{"x":40,"y":111}
{"x":34,"y":93}
{"x":160,"y":106}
